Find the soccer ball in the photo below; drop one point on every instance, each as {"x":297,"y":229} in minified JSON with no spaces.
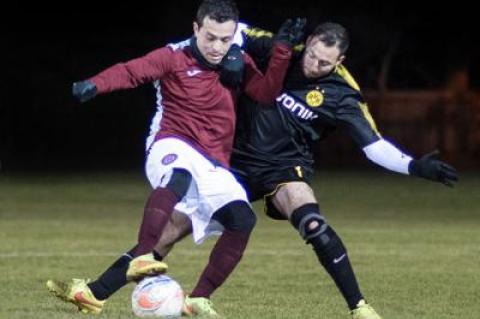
{"x":159,"y":297}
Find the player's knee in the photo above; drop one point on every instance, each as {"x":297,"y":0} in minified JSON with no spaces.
{"x":180,"y":182}
{"x":310,"y":223}
{"x":248,"y":220}
{"x":236,"y":216}
{"x":315,"y":230}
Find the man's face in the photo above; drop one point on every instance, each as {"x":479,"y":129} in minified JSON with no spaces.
{"x":214,"y":38}
{"x":318,"y":59}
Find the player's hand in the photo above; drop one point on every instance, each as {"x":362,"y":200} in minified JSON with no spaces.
{"x":430,"y":167}
{"x":291,"y":32}
{"x":232,"y":68}
{"x":84,"y":90}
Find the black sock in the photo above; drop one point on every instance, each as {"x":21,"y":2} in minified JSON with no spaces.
{"x":335,"y":260}
{"x":114,"y":278}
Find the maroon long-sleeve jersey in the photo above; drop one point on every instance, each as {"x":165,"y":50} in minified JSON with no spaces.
{"x":197,"y":107}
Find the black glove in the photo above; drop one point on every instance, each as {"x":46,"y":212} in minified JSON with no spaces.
{"x":84,"y":90}
{"x":291,"y":32}
{"x":429,"y":167}
{"x":232,"y":68}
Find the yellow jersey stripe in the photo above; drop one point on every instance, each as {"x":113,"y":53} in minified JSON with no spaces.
{"x":368,"y":117}
{"x":257,"y":33}
{"x":343,"y":72}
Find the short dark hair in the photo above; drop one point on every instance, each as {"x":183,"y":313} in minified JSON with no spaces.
{"x":218,"y":10}
{"x":331,"y":34}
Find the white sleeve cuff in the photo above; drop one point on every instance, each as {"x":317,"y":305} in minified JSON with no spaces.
{"x":387,"y":155}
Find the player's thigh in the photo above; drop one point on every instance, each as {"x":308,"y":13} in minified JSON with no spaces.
{"x":291,"y":196}
{"x":179,"y":226}
{"x":168,"y":154}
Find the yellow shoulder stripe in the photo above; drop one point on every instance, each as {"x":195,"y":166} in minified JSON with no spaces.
{"x":368,"y":117}
{"x":257,"y":33}
{"x":299,"y":47}
{"x":343,"y":72}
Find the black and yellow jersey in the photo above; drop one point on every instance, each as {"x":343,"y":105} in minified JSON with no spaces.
{"x":282,"y":135}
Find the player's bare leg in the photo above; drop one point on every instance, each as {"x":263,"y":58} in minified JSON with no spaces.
{"x":291,"y":196}
{"x":178,"y":227}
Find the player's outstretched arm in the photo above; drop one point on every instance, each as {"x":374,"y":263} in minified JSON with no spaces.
{"x":233,"y":64}
{"x":266,"y":88}
{"x":126,"y":75}
{"x":353,"y":114}
{"x":430,"y":167}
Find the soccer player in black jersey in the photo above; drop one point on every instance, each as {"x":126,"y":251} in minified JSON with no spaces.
{"x":273,"y":156}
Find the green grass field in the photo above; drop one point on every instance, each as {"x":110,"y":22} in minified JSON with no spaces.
{"x":415,"y":247}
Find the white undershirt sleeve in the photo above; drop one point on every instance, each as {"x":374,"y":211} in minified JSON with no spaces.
{"x":387,"y":155}
{"x":238,"y":38}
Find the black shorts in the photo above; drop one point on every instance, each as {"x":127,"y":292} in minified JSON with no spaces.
{"x":264,"y":182}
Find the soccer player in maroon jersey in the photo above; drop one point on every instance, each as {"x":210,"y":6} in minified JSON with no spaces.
{"x":188,"y":159}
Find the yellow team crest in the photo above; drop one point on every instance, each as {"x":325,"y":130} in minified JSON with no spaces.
{"x":314,"y":98}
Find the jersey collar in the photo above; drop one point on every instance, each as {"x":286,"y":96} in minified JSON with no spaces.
{"x":199,"y":57}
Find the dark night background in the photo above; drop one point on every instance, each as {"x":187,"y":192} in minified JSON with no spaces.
{"x":46,"y":48}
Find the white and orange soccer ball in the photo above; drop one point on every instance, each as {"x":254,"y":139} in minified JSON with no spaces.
{"x":159,"y":297}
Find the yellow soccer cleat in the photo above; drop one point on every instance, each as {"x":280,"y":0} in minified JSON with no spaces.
{"x":364,"y":311}
{"x":77,"y":292}
{"x":143,"y":266}
{"x":199,"y":308}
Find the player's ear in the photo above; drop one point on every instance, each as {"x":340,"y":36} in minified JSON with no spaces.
{"x":341,"y":59}
{"x":309,"y":39}
{"x":195,"y":28}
